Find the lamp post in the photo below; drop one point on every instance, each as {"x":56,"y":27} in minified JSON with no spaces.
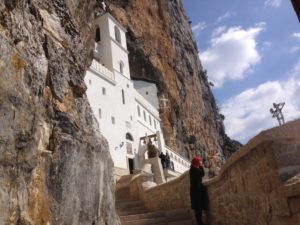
{"x":277,"y":112}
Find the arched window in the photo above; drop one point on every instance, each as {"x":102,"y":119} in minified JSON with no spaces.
{"x":129,"y":137}
{"x":117,"y":34}
{"x":121,"y":67}
{"x":98,"y":35}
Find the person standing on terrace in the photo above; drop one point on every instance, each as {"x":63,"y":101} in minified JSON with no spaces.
{"x":162,"y":159}
{"x":198,"y":193}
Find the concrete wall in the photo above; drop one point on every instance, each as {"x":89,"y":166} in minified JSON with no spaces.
{"x":260,"y":184}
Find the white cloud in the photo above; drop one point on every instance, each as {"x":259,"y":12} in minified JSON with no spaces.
{"x":218,"y":31}
{"x":198,"y":28}
{"x":233,"y":53}
{"x":248,"y":113}
{"x":296,"y":35}
{"x":294,"y":49}
{"x":274,"y":3}
{"x":267,"y":43}
{"x":223,"y":17}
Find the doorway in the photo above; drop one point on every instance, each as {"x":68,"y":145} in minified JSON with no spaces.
{"x":131,"y":165}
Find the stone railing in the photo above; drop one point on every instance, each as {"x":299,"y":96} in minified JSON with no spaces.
{"x":260,"y":184}
{"x":102,"y":70}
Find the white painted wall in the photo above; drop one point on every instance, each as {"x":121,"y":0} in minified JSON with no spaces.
{"x":112,"y":23}
{"x":103,"y":47}
{"x":111,"y":52}
{"x":148,"y":91}
{"x":119,"y":55}
{"x":151,"y":114}
{"x":104,"y":93}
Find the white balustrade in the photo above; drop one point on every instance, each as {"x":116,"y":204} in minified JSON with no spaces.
{"x":181,"y":164}
{"x":102,"y":70}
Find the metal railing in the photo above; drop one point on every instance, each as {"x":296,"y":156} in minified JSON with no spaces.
{"x":102,"y":70}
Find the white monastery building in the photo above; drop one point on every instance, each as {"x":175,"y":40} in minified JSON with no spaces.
{"x":126,"y":110}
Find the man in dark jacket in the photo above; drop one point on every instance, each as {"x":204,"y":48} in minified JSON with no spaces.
{"x":162,"y":159}
{"x":198,"y":193}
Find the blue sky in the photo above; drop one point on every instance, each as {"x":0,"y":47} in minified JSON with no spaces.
{"x":251,"y":51}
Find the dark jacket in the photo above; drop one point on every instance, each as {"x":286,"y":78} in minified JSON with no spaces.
{"x":198,"y":192}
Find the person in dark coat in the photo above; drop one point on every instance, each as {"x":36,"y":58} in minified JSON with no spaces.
{"x":198,"y":193}
{"x":167,"y":160}
{"x":162,"y":159}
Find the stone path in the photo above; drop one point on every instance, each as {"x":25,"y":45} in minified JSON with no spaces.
{"x":133,"y":212}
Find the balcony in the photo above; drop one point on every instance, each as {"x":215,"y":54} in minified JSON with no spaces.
{"x":102,"y":71}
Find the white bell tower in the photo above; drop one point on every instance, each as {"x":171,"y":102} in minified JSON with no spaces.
{"x":110,"y":45}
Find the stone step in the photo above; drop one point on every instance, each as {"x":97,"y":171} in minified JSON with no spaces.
{"x":169,"y":213}
{"x":129,"y":204}
{"x":122,"y":191}
{"x":131,"y":208}
{"x":182,"y":222}
{"x":122,"y":196}
{"x":173,"y":212}
{"x":118,"y":201}
{"x":131,"y":211}
{"x":141,"y":216}
{"x":179,"y":222}
{"x":157,"y":220}
{"x":154,"y":218}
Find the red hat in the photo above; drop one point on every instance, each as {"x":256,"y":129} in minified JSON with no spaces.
{"x":196,"y":161}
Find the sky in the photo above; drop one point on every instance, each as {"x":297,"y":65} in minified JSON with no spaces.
{"x":251,"y":51}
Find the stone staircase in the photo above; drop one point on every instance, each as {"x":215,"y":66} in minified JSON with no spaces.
{"x":133,"y":212}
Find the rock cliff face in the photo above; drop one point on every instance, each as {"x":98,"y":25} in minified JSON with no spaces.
{"x":162,"y":50}
{"x":55,"y":168}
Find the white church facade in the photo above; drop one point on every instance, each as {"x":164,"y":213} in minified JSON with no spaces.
{"x":126,"y":110}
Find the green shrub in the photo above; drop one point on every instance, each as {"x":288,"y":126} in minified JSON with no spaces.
{"x":152,"y":150}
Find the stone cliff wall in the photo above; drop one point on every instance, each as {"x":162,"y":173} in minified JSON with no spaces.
{"x":163,"y":51}
{"x":55,"y":168}
{"x":260,"y":184}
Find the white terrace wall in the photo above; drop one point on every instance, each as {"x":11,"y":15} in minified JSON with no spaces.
{"x":259,"y":185}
